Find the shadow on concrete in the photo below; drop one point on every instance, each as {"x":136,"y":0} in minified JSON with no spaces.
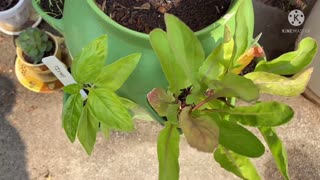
{"x":12,"y":148}
{"x":301,"y":166}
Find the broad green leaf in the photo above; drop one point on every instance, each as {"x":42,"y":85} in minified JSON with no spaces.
{"x":87,"y":130}
{"x":292,"y":62}
{"x":114,"y":75}
{"x":88,"y":64}
{"x":172,"y":113}
{"x":71,"y":114}
{"x":168,"y":153}
{"x":278,"y":85}
{"x":107,"y":108}
{"x":242,"y":31}
{"x":72,"y":88}
{"x":159,"y":100}
{"x":201,"y":132}
{"x":239,"y":139}
{"x":216,"y":63}
{"x":228,"y":47}
{"x":235,"y":163}
{"x":277,"y":149}
{"x":195,"y":98}
{"x":232,"y":85}
{"x":172,"y":70}
{"x":187,"y":48}
{"x":263,"y":114}
{"x":212,"y":69}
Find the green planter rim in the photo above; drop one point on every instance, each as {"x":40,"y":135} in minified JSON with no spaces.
{"x":230,"y":12}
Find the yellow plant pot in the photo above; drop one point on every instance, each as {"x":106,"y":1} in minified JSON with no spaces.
{"x":37,"y":77}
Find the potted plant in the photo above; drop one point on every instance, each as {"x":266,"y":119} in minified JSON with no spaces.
{"x":32,"y":45}
{"x":13,"y":15}
{"x":312,"y":29}
{"x":200,"y":98}
{"x":94,"y":23}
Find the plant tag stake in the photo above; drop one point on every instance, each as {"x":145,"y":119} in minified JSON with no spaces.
{"x":61,"y":72}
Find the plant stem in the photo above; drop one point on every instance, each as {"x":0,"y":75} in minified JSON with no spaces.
{"x":204,"y":102}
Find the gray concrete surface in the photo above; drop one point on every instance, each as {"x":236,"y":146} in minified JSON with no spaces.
{"x":34,"y":146}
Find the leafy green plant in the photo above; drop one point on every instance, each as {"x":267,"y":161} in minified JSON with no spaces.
{"x":200,"y":99}
{"x":101,"y":109}
{"x":34,"y":43}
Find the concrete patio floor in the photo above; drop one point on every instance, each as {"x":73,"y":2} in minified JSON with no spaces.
{"x":33,"y":144}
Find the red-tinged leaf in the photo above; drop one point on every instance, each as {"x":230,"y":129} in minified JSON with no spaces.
{"x":159,"y":99}
{"x":201,"y":132}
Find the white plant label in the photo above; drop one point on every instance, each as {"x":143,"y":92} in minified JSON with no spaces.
{"x":61,"y":72}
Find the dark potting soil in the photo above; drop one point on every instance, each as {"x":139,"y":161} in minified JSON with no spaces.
{"x":7,"y":4}
{"x":46,"y":54}
{"x":146,"y":15}
{"x":53,"y":8}
{"x":249,"y":68}
{"x":287,"y":5}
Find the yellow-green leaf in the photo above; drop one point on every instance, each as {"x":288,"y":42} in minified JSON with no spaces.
{"x":168,"y":152}
{"x":107,"y":108}
{"x":232,"y":85}
{"x":292,"y":62}
{"x":72,"y":88}
{"x":87,"y":130}
{"x":172,"y":70}
{"x":114,"y":75}
{"x":88,"y":64}
{"x":277,"y":149}
{"x":263,"y":114}
{"x":278,"y":85}
{"x":235,"y":163}
{"x":186,"y":46}
{"x":71,"y":114}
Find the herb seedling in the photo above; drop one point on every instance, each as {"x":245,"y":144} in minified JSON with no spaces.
{"x":103,"y":109}
{"x":200,"y":100}
{"x":34,"y":43}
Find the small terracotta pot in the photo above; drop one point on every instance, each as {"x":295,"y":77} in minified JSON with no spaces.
{"x":37,"y":77}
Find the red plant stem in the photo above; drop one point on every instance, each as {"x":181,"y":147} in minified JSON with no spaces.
{"x":203,"y":102}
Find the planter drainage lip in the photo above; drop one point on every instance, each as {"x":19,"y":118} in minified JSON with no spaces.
{"x":143,"y":36}
{"x":11,"y":11}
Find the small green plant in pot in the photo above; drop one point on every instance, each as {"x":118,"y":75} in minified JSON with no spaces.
{"x":31,"y":46}
{"x":200,"y":99}
{"x":34,"y":44}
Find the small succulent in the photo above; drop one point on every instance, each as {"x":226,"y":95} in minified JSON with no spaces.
{"x":34,"y":43}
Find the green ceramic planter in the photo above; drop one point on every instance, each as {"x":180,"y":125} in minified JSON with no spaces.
{"x":83,"y":21}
